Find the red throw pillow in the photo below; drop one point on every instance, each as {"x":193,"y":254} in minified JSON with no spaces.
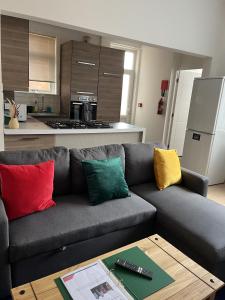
{"x":27,"y":188}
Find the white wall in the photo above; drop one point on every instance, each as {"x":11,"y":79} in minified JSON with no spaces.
{"x":187,"y":25}
{"x":1,"y":103}
{"x":187,"y":62}
{"x":218,"y":62}
{"x":156,"y":64}
{"x":181,"y":62}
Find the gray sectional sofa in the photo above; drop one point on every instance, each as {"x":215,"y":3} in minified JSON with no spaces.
{"x":73,"y":230}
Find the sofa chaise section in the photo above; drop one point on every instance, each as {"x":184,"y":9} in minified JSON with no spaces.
{"x":191,"y":222}
{"x":185,"y":216}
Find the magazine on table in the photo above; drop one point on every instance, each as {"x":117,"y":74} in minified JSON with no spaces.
{"x":94,"y":282}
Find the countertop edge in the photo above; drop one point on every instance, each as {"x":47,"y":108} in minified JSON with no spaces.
{"x":68,"y":131}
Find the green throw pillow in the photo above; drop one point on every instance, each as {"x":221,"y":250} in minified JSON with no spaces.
{"x":105,"y":180}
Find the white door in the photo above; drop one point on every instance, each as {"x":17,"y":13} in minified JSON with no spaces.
{"x":205,"y":103}
{"x":181,"y":108}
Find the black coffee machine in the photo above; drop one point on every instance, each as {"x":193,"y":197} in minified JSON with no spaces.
{"x":89,"y":111}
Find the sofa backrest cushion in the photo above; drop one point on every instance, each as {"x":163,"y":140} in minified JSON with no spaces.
{"x":30,"y":157}
{"x":139,"y":163}
{"x":79,"y":184}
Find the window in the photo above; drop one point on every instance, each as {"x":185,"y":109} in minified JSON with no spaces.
{"x":42,"y":64}
{"x":128,"y":83}
{"x":129,"y":60}
{"x":128,"y":80}
{"x":125,"y":95}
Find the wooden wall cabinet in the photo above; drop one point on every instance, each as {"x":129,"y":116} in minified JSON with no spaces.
{"x":79,"y":71}
{"x":110,"y":84}
{"x":15,"y":53}
{"x":92,"y":70}
{"x":85,"y":65}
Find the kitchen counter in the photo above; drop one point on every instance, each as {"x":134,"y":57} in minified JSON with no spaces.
{"x":35,"y":134}
{"x":34,"y":126}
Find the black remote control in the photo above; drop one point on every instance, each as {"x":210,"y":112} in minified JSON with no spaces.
{"x":134,"y":268}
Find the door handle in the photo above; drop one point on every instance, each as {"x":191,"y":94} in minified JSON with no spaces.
{"x":85,"y":63}
{"x":83,"y":92}
{"x":112,"y":74}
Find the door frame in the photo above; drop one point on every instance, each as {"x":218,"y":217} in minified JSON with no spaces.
{"x":171,"y":106}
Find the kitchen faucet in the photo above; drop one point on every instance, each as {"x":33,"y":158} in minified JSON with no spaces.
{"x":42,"y":104}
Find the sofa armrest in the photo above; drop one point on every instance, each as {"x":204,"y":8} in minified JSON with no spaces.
{"x":195,"y":182}
{"x":5,"y":270}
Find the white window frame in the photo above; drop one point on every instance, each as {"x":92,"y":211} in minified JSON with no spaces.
{"x":131,"y":73}
{"x":53,"y":90}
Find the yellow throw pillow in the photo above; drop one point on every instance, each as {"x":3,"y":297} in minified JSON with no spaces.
{"x":167,"y":168}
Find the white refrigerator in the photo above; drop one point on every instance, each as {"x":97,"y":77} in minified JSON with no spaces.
{"x":204,"y":146}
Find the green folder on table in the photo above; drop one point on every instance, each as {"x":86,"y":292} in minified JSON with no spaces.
{"x":63,"y":290}
{"x":137,"y":286}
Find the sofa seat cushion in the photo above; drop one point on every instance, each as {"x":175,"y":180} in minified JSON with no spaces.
{"x":193,"y":219}
{"x":73,"y":220}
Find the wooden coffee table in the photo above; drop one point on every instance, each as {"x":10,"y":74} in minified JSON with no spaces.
{"x":191,"y":280}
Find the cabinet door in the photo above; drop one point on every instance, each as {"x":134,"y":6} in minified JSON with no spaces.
{"x":65,"y":78}
{"x":15,"y":53}
{"x":85,"y":53}
{"x":85,"y":66}
{"x":84,"y":79}
{"x":109,"y":98}
{"x":110,"y":84}
{"x":111,"y":62}
{"x":28,"y":142}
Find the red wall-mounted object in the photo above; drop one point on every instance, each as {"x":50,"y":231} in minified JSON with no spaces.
{"x":164,"y":85}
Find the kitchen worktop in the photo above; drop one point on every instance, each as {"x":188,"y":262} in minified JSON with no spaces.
{"x":35,"y":127}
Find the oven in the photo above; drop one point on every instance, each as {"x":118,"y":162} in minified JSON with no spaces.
{"x":83,"y":108}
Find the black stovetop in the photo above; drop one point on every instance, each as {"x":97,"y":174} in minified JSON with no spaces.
{"x":70,"y":124}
